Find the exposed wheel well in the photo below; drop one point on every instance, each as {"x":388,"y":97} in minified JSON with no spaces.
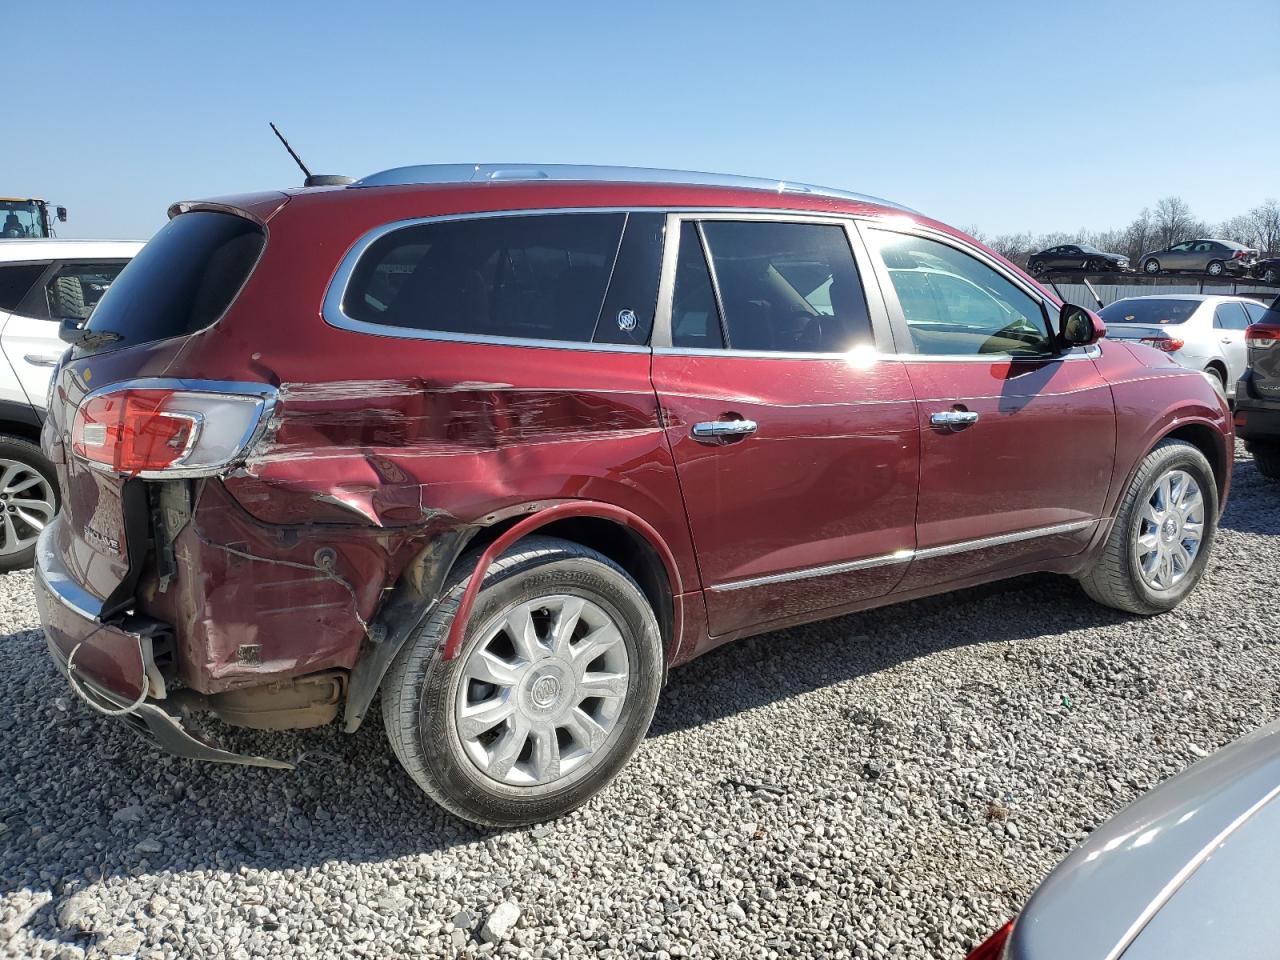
{"x":619,"y":543}
{"x":1207,"y":441}
{"x":1219,"y":367}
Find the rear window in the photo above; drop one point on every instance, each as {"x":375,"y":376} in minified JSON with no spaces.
{"x":182,"y":281}
{"x":1150,"y":312}
{"x":538,"y":277}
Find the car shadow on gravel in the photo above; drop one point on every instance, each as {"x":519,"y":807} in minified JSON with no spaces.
{"x":775,"y":666}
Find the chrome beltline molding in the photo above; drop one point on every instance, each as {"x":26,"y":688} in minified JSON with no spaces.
{"x":905,"y":555}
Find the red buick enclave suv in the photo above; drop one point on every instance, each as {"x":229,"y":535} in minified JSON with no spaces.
{"x":506,"y":443}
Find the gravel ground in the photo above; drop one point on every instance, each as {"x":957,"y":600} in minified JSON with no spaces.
{"x":887,"y":784}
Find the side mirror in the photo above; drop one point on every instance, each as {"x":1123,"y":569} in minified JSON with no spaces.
{"x":1078,"y":327}
{"x":62,"y":214}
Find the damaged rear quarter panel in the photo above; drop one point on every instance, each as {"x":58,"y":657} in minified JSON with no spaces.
{"x":378,"y":447}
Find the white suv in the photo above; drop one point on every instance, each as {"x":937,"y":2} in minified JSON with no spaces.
{"x":42,"y":283}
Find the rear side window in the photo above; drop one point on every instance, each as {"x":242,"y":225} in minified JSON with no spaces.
{"x":182,"y":281}
{"x":1149,"y":311}
{"x":538,"y":277}
{"x":15,"y":280}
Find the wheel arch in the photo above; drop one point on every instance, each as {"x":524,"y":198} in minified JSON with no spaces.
{"x":1208,"y":441}
{"x":618,"y":534}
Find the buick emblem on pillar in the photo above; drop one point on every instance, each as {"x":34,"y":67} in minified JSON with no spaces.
{"x":626,"y":320}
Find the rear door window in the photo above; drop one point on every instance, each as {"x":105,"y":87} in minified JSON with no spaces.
{"x":180,"y":282}
{"x":1230,"y":316}
{"x":541,"y":277}
{"x":787,"y":287}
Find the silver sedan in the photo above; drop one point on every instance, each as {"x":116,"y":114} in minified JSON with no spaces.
{"x":1198,"y":331}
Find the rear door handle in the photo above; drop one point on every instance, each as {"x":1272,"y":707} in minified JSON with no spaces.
{"x":715,"y":429}
{"x":953,"y":419}
{"x":42,"y":360}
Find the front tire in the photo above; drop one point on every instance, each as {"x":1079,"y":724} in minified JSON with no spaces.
{"x":552,"y":690}
{"x":1266,"y":456}
{"x":1162,"y":536}
{"x":28,"y":501}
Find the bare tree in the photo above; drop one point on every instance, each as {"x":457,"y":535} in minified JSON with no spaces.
{"x":1139,"y":236}
{"x":1266,"y":224}
{"x":1174,"y":221}
{"x":1014,"y":246}
{"x":1241,"y":229}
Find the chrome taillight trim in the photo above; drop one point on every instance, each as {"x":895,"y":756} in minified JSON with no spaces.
{"x":267,"y":396}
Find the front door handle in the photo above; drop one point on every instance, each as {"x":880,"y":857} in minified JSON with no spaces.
{"x":42,"y":360}
{"x":953,"y":419}
{"x":717,"y":429}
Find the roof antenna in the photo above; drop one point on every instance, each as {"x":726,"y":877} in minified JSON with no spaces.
{"x":312,"y":179}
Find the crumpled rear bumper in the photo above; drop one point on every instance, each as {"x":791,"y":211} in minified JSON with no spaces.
{"x":110,"y":666}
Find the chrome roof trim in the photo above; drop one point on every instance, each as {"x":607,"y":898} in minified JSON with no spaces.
{"x":443,"y":173}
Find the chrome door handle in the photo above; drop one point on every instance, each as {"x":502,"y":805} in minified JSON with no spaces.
{"x":41,"y":360}
{"x":714,"y":429}
{"x":953,"y":418}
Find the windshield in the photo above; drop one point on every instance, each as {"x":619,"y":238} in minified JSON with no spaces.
{"x":1152,"y":312}
{"x":21,"y":220}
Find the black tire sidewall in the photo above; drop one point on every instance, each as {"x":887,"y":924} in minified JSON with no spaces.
{"x":24,"y":451}
{"x":1179,"y":457}
{"x":473,"y":793}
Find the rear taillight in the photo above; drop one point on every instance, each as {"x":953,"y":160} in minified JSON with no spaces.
{"x":1167,"y":344}
{"x":1239,"y":255}
{"x":180,"y":428}
{"x":993,"y":947}
{"x":1262,"y":334}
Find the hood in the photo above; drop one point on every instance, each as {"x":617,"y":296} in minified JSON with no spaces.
{"x":1098,"y":900}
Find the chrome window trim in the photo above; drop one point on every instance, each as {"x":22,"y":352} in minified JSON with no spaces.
{"x":905,"y":555}
{"x":267,"y":394}
{"x":332,"y":313}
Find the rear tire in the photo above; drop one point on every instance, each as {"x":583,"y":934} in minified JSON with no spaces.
{"x":1218,"y":378}
{"x":1266,"y":456}
{"x":1216,"y":268}
{"x":512,"y":771}
{"x":1271,"y":275}
{"x":28,"y":500}
{"x":1151,"y":267}
{"x":1120,"y":577}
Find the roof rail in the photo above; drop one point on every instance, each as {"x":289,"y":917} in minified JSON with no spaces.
{"x":526,"y":172}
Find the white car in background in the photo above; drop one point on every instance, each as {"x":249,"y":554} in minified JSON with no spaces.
{"x":1198,"y":331}
{"x":42,"y":283}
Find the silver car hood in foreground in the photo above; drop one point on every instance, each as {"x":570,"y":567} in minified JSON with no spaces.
{"x":1186,"y":868}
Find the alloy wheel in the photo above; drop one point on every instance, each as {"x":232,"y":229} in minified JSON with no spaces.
{"x":542,"y":690}
{"x":1170,"y":530}
{"x":27,"y":504}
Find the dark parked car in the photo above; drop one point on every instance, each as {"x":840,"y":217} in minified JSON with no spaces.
{"x":1258,"y":393}
{"x":508,"y":443}
{"x":1185,"y":871}
{"x":1213,"y":257}
{"x":1267,"y":269}
{"x":1076,"y":256}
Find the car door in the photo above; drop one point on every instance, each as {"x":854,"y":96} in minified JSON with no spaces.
{"x":1229,"y":323}
{"x":1177,"y":257}
{"x":795,"y":443}
{"x":66,"y":289}
{"x":1017,"y":440}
